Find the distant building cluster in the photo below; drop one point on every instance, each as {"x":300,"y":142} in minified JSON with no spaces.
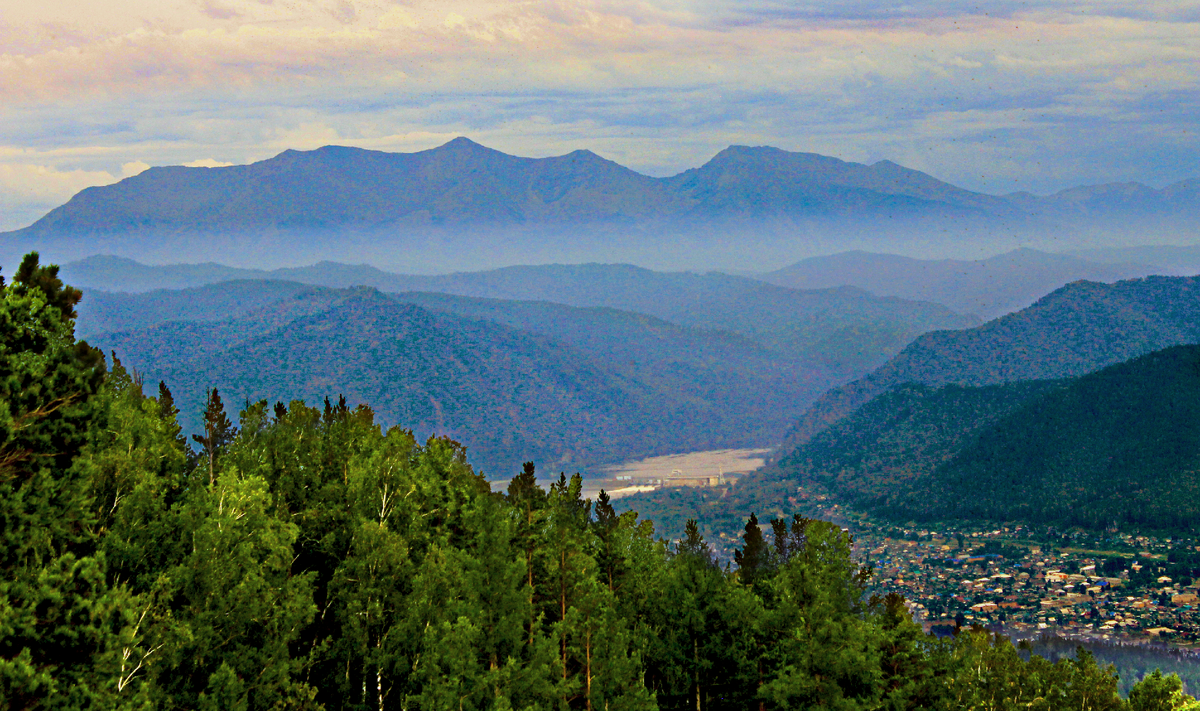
{"x":1110,"y":586}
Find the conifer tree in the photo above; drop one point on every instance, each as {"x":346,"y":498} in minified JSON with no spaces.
{"x":753,"y":559}
{"x":218,"y":432}
{"x":60,"y":621}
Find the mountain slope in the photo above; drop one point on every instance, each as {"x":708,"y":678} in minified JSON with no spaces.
{"x":464,"y":182}
{"x":339,"y":186}
{"x":839,"y":328}
{"x":897,"y":440}
{"x":103,"y":312}
{"x":766,"y":181}
{"x":1077,"y":329}
{"x":844,"y":331}
{"x":984,"y":287}
{"x":679,"y":388}
{"x":1119,"y":445}
{"x":507,"y":394}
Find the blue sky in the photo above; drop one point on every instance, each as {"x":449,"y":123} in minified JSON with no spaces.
{"x":993,"y":96}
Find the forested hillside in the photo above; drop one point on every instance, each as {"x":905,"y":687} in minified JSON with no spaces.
{"x":511,"y":380}
{"x":115,"y":312}
{"x":1117,"y":447}
{"x":890,"y":447}
{"x":306,"y":558}
{"x":731,"y":363}
{"x":1077,"y":329}
{"x":847,"y":329}
{"x":1121,"y":446}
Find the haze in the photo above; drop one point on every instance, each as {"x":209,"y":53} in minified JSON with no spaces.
{"x":995,"y":98}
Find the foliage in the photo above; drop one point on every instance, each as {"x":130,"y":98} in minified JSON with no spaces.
{"x":312,"y":559}
{"x":1118,"y":446}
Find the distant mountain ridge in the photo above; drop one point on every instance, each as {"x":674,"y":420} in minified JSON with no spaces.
{"x":463,"y":182}
{"x":465,"y":201}
{"x":1080,"y":328}
{"x":843,"y":330}
{"x":984,"y":287}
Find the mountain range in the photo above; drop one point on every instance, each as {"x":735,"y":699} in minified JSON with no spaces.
{"x":1120,"y":445}
{"x":1078,"y":410}
{"x":464,"y":182}
{"x":1079,"y":328}
{"x":597,"y":363}
{"x":462,"y":205}
{"x":984,"y":287}
{"x":845,"y":330}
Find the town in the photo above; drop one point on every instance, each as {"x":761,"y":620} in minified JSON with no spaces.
{"x":1026,"y":581}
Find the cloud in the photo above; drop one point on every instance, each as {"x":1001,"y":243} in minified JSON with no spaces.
{"x":45,"y":184}
{"x":998,"y":96}
{"x":206,"y":163}
{"x":29,"y":191}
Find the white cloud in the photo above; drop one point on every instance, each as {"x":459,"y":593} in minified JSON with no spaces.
{"x":129,"y":170}
{"x":45,"y":184}
{"x":207,"y":163}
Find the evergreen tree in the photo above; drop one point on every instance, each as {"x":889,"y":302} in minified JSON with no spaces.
{"x":826,"y":653}
{"x":218,"y":432}
{"x":753,"y":558}
{"x":62,"y":626}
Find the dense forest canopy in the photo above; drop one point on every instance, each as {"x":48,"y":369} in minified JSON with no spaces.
{"x":303,"y":557}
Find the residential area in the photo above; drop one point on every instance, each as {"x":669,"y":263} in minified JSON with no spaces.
{"x":1118,"y":587}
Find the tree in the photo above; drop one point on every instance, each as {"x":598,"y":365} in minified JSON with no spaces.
{"x":231,"y":609}
{"x":62,"y":626}
{"x":218,"y":432}
{"x":1156,"y":692}
{"x":825,"y":652}
{"x":754,"y":558}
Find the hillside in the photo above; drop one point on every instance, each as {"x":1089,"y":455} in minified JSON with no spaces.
{"x":1182,"y":260}
{"x":1077,"y":329}
{"x":622,"y":384}
{"x":1118,"y":446}
{"x":867,"y":460}
{"x":1121,"y":445}
{"x":893,"y":444}
{"x":845,"y":330}
{"x":104,"y":312}
{"x":841,"y":328}
{"x":987,"y":288}
{"x":508,"y":395}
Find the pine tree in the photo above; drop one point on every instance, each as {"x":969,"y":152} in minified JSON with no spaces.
{"x":60,"y":621}
{"x":753,"y":559}
{"x":218,"y":432}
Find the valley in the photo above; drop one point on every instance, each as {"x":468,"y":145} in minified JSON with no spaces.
{"x":604,"y":356}
{"x":595,"y":364}
{"x":715,"y":468}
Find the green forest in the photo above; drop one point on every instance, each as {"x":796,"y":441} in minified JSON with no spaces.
{"x":303,"y":558}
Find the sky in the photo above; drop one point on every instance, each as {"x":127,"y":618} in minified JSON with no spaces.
{"x":995,"y":96}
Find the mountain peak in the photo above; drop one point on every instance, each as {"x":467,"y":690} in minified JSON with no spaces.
{"x":462,"y":143}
